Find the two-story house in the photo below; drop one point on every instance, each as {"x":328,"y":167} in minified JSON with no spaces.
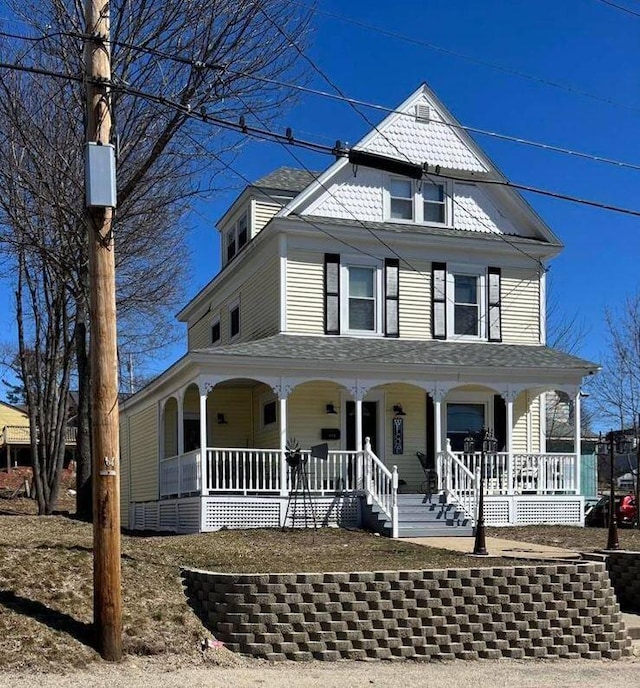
{"x":383,"y":315}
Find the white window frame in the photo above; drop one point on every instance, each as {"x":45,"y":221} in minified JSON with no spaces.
{"x":418,"y":202}
{"x":472,"y":271}
{"x":231,"y":307}
{"x":216,"y":321}
{"x":265,"y":399}
{"x":347,"y":262}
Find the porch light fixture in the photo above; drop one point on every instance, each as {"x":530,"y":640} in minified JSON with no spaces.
{"x":331,"y":410}
{"x":612,"y":443}
{"x":397,"y":409}
{"x":222,"y":420}
{"x":488,"y":445}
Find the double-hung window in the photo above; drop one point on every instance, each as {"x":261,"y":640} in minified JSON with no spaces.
{"x":433,"y":203}
{"x":360,"y":296}
{"x":401,"y":197}
{"x":236,"y":236}
{"x":466,"y":308}
{"x":215,"y":330}
{"x":234,"y":319}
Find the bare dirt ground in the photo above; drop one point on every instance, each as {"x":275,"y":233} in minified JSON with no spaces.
{"x":568,"y":537}
{"x":155,"y":673}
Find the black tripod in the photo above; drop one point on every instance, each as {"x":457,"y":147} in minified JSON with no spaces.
{"x":299,"y":488}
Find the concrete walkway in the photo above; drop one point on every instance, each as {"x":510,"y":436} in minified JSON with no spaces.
{"x":498,"y":547}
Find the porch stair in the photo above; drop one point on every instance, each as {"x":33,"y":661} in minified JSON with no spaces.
{"x":428,"y":515}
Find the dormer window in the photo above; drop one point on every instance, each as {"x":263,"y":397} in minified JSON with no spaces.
{"x":236,"y":236}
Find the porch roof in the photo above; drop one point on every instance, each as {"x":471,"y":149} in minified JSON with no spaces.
{"x":404,"y":352}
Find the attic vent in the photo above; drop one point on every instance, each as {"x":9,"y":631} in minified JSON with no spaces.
{"x":422,"y":112}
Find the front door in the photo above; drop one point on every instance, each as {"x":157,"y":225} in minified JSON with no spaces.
{"x":369,"y":424}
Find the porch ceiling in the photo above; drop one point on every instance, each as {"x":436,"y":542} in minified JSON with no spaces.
{"x":403,"y":352}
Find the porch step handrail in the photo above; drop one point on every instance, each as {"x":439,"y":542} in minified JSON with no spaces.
{"x":381,"y":485}
{"x":460,"y":483}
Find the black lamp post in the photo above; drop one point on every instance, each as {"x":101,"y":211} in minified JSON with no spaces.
{"x":612,"y":444}
{"x":488,"y":445}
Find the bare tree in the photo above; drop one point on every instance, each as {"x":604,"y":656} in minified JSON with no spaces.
{"x":215,"y":56}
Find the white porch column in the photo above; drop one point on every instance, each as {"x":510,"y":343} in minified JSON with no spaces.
{"x":284,"y":491}
{"x":510,"y":397}
{"x":180,"y":400}
{"x":577,"y":444}
{"x":203,"y":439}
{"x":438,"y":395}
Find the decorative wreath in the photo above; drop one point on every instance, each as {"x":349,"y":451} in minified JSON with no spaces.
{"x":292,"y":453}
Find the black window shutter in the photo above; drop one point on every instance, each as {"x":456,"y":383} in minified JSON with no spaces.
{"x":331,"y":293}
{"x":392,"y":297}
{"x":494,"y":316}
{"x":431,"y":432}
{"x":439,"y":300}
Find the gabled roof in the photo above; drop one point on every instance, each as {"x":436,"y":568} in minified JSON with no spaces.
{"x":445,"y":144}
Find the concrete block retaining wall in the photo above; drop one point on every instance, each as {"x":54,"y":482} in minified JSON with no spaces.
{"x":624,"y":571}
{"x":521,"y":611}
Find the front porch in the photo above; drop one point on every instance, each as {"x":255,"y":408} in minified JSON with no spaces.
{"x":248,"y":416}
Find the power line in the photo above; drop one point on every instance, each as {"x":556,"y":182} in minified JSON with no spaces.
{"x":267,"y":135}
{"x":469,"y":58}
{"x":620,"y":7}
{"x":341,"y":97}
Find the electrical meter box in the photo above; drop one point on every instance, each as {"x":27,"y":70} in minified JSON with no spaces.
{"x":100,"y":175}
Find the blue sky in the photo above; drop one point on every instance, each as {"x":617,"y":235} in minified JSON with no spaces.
{"x":583,"y":44}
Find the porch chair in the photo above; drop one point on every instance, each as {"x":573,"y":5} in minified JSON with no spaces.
{"x":430,"y":483}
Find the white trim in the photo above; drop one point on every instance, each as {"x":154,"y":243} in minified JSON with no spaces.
{"x":543,"y":307}
{"x":418,"y":201}
{"x":349,"y":261}
{"x":282,"y":251}
{"x":480,"y":272}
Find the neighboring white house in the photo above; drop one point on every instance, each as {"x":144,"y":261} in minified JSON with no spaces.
{"x":359,"y":304}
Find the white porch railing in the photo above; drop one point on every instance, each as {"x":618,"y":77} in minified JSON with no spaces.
{"x":337,"y":473}
{"x":180,"y":475}
{"x":526,"y":473}
{"x":242,"y":470}
{"x":459,"y":481}
{"x":381,"y":486}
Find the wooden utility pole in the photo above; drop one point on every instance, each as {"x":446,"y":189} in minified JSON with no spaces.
{"x":107,"y":594}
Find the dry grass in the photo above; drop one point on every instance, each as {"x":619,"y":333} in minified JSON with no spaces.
{"x":568,"y":537}
{"x":46,"y":583}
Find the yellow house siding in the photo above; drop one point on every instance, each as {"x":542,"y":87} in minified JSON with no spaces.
{"x":260,"y":302}
{"x":520,"y":306}
{"x":12,"y":416}
{"x":307,"y":413}
{"x":125,"y":487}
{"x":263,"y":212}
{"x":415,"y":301}
{"x":235,"y":404}
{"x":305,"y":299}
{"x":414,"y":404}
{"x":171,"y":429}
{"x":256,"y":285}
{"x":143,"y":427}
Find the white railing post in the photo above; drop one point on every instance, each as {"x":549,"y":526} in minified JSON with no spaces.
{"x":203,"y":436}
{"x":578,"y":476}
{"x":394,"y":503}
{"x":448,"y":467}
{"x":365,"y":463}
{"x":510,"y":398}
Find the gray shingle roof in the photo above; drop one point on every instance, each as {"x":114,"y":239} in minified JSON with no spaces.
{"x":405,"y":352}
{"x":286,"y":179}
